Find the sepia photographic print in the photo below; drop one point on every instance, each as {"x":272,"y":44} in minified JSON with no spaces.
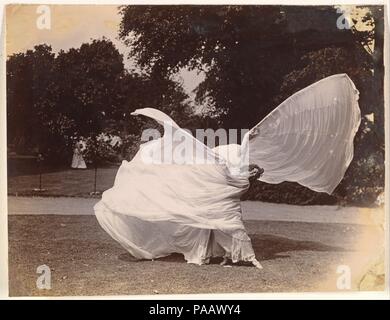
{"x":178,"y":149}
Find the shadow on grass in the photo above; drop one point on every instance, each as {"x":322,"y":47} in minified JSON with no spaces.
{"x":269,"y":247}
{"x":266,"y":247}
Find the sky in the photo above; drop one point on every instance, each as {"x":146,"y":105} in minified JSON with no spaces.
{"x":70,"y":26}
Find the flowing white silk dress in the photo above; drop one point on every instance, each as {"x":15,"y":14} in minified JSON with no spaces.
{"x":192,"y":206}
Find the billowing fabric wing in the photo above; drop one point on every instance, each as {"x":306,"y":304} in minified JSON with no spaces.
{"x":309,"y":137}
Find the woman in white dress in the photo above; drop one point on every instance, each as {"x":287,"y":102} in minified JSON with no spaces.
{"x":192,"y":207}
{"x":78,"y":160}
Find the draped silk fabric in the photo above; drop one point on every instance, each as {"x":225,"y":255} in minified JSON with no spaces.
{"x":192,"y":206}
{"x":309,"y":137}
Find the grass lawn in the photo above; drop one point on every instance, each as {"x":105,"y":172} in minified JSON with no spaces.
{"x":63,"y":182}
{"x":84,"y":260}
{"x":297,"y":256}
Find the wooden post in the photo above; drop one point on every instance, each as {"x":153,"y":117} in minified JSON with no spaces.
{"x":40,"y":175}
{"x":94,"y":191}
{"x":39,"y":160}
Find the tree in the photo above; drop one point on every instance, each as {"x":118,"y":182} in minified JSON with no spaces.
{"x":51,"y":99}
{"x":217,"y":39}
{"x":244,"y":51}
{"x":30,"y":100}
{"x":89,"y":79}
{"x":253,"y":57}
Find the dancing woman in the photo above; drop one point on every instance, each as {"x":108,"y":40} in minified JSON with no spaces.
{"x":192,"y":207}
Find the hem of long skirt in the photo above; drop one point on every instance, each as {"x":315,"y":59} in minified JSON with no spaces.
{"x":235,"y":252}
